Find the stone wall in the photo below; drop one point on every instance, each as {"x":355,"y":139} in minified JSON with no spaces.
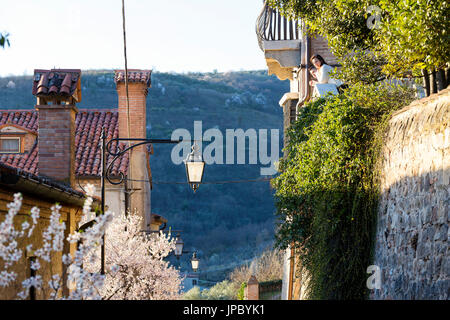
{"x":412,"y":234}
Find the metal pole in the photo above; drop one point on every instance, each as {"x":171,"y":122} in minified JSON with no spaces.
{"x":32,"y":274}
{"x":103,"y":196}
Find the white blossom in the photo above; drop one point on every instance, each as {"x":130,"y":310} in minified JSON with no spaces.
{"x":137,"y":269}
{"x":66,"y":259}
{"x":135,"y":263}
{"x":25,"y":225}
{"x":6,"y":278}
{"x":35,"y":282}
{"x":34,"y":216}
{"x":35,"y":265}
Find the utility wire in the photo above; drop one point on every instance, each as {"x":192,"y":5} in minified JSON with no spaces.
{"x":207,"y":182}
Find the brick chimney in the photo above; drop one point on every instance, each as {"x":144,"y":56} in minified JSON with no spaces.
{"x":138,"y":84}
{"x":57,"y":91}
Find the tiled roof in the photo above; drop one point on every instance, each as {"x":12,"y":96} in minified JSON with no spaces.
{"x":26,"y":161}
{"x":89,"y":124}
{"x":134,"y":76}
{"x":63,"y":82}
{"x":24,"y":118}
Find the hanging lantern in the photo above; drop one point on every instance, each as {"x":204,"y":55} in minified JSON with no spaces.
{"x":194,"y":262}
{"x":194,"y":167}
{"x":178,"y":246}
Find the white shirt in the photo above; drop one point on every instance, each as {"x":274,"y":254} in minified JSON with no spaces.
{"x":323,"y":75}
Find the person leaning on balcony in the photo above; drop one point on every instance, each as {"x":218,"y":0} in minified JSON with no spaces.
{"x":322,"y":72}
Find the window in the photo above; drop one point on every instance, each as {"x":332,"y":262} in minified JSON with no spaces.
{"x":194,"y":282}
{"x":10,"y":145}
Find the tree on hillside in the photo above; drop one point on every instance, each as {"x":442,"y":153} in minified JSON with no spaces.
{"x":386,"y":38}
{"x":266,"y":267}
{"x":4,"y":39}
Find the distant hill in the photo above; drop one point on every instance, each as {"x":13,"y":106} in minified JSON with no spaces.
{"x":226,"y":223}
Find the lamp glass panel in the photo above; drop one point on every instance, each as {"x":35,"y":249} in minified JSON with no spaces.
{"x":194,"y":264}
{"x":178,"y":248}
{"x":195,"y":171}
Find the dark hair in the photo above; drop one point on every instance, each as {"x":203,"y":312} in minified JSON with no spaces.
{"x":318,"y":57}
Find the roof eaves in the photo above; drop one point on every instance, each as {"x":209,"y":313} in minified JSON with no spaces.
{"x":21,"y":180}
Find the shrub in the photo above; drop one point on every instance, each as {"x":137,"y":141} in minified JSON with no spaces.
{"x":193,"y":294}
{"x":326,"y":194}
{"x":220,"y":291}
{"x":241,"y":292}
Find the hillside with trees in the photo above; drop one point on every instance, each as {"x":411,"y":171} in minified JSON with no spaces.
{"x":227,"y":223}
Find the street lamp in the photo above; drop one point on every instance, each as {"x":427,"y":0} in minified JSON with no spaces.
{"x":194,"y":261}
{"x":178,"y":246}
{"x":194,"y":167}
{"x":178,"y":252}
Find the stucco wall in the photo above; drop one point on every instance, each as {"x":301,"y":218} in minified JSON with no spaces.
{"x":114,"y":194}
{"x":69,"y":215}
{"x":412,"y":234}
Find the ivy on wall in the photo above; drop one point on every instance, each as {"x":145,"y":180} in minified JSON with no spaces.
{"x":327,"y":191}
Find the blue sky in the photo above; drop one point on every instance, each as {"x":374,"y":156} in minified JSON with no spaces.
{"x":164,"y":35}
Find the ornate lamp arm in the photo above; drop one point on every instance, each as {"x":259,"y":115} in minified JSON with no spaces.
{"x":118,"y":154}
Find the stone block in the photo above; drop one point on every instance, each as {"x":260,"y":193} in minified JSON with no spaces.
{"x":441,"y":233}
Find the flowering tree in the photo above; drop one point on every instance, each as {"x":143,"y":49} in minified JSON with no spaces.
{"x":84,"y":285}
{"x":137,"y":267}
{"x":135,"y":263}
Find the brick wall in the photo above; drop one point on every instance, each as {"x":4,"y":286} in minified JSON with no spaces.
{"x":28,"y":141}
{"x":138,"y":167}
{"x":56,"y":142}
{"x":319,"y":45}
{"x":251,"y":292}
{"x":137,"y":93}
{"x":289,"y":116}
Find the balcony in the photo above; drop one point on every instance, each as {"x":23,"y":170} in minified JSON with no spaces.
{"x":280,"y":40}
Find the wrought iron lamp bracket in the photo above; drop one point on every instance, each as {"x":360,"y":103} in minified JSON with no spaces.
{"x":118,"y":154}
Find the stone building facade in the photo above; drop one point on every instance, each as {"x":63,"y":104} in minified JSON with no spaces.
{"x":412,"y":236}
{"x":287,"y":55}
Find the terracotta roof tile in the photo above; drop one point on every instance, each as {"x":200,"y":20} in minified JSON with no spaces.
{"x":87,"y":138}
{"x":25,"y":161}
{"x":24,"y":118}
{"x":64,"y":82}
{"x":89,"y":124}
{"x":134,"y":76}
